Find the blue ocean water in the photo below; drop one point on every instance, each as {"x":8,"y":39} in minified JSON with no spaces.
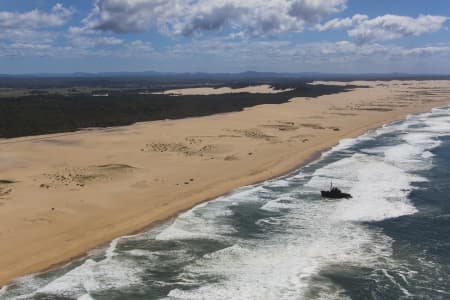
{"x":281,"y":240}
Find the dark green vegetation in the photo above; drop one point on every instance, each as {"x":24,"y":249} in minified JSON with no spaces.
{"x":42,"y":113}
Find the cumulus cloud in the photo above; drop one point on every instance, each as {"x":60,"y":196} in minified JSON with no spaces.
{"x":251,"y":17}
{"x":25,"y":33}
{"x":345,"y":23}
{"x":384,"y":28}
{"x":314,"y":11}
{"x":211,"y":18}
{"x":290,"y":56}
{"x":85,"y":42}
{"x":389,"y":27}
{"x":84,"y":46}
{"x":345,"y":51}
{"x":348,"y":51}
{"x":427,"y":51}
{"x":32,"y":33}
{"x":35,"y":18}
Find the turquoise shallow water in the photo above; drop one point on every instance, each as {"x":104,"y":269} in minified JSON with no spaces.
{"x":280,"y":240}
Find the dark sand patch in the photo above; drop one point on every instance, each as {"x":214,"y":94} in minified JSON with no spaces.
{"x":377,"y":109}
{"x":6,"y":181}
{"x":59,"y":142}
{"x":312,"y":125}
{"x":231,"y":158}
{"x":115,"y":167}
{"x":5,"y":187}
{"x":343,"y":114}
{"x":195,"y":148}
{"x":253,"y":133}
{"x":80,"y":177}
{"x":282,"y":126}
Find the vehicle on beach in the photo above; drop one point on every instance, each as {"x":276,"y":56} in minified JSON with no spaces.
{"x":335,"y":193}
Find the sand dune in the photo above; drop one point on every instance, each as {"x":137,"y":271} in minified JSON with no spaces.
{"x":256,"y":89}
{"x":61,"y":195}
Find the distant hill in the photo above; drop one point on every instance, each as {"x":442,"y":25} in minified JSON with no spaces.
{"x":247,"y":74}
{"x":162,"y":80}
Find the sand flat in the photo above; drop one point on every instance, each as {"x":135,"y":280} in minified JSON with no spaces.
{"x":63,"y":194}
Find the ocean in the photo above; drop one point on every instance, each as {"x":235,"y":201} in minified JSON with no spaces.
{"x":281,"y":240}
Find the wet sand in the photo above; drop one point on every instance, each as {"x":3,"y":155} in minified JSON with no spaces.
{"x":64,"y":194}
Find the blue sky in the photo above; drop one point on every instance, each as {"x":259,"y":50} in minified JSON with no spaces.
{"x":339,"y":36}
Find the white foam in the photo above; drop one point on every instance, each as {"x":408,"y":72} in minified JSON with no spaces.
{"x":408,"y":157}
{"x":426,"y":140}
{"x":234,"y":252}
{"x":110,"y":251}
{"x":85,"y":297}
{"x":379,"y":189}
{"x":204,"y":221}
{"x":278,"y":204}
{"x":270,"y":221}
{"x":92,"y":276}
{"x":427,"y":155}
{"x":345,"y":144}
{"x":282,"y":268}
{"x":381,"y":179}
{"x":299,"y":175}
{"x":141,"y":253}
{"x":338,"y":172}
{"x":438,"y":125}
{"x":173,"y":233}
{"x":201,"y":222}
{"x":3,"y":290}
{"x":402,"y":152}
{"x":278,"y":183}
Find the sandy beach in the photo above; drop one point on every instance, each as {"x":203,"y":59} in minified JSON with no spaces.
{"x":64,"y":194}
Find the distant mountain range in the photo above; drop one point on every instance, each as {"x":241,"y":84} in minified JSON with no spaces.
{"x":242,"y":75}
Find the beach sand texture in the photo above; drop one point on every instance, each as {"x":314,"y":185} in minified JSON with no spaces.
{"x":64,"y":194}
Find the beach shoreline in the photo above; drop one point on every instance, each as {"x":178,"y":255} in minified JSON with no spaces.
{"x":296,"y":136}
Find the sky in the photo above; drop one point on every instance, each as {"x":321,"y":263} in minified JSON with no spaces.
{"x":328,"y":36}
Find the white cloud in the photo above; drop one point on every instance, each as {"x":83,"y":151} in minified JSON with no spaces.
{"x":86,"y":47}
{"x":384,"y":28}
{"x":35,"y":18}
{"x":251,"y":17}
{"x":88,"y":42}
{"x":345,"y":51}
{"x":139,"y":45}
{"x":427,"y":51}
{"x":288,"y":55}
{"x":27,"y":33}
{"x":31,"y":34}
{"x":345,"y":23}
{"x":389,"y":27}
{"x":313,"y":11}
